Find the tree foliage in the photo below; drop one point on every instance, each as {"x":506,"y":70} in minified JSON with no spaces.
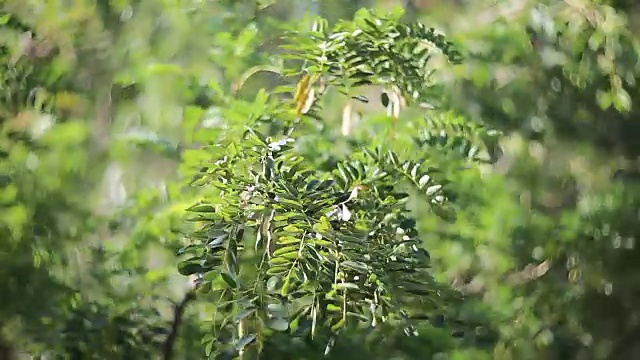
{"x":352,"y":186}
{"x":286,"y":247}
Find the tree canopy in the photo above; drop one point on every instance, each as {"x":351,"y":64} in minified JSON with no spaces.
{"x":306,"y":180}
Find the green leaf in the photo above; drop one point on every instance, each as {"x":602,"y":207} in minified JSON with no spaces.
{"x":258,"y":135}
{"x":201,"y":208}
{"x":187,"y":248}
{"x":274,"y":283}
{"x":279,"y":261}
{"x":245,"y":341}
{"x":286,"y":250}
{"x":277,"y":270}
{"x":358,"y":316}
{"x":205,"y":287}
{"x":229,"y":280}
{"x":288,"y":240}
{"x":346,"y":285}
{"x":605,"y":99}
{"x":355,"y":265}
{"x":444,"y":213}
{"x":245,"y":313}
{"x":290,"y":256}
{"x":622,"y":100}
{"x":337,"y":326}
{"x":432,"y":190}
{"x":284,"y":290}
{"x":278,"y":324}
{"x":4,"y":19}
{"x":319,"y":242}
{"x":189,"y":267}
{"x":209,"y":344}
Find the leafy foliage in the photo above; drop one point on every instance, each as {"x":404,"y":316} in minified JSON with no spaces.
{"x":384,"y":150}
{"x":373,"y":50}
{"x":50,"y":170}
{"x":286,"y":247}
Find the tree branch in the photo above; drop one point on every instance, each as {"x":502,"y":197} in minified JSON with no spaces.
{"x":178,"y":312}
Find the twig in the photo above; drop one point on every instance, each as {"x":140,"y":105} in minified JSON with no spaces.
{"x":178,"y":312}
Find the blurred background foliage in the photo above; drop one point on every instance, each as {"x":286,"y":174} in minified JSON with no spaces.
{"x":100,"y":100}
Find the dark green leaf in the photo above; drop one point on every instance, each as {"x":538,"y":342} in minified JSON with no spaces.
{"x":244,"y":341}
{"x":229,"y":280}
{"x":189,"y":268}
{"x":243,"y":314}
{"x":202,"y":208}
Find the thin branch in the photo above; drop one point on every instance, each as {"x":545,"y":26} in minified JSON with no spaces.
{"x":178,"y":312}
